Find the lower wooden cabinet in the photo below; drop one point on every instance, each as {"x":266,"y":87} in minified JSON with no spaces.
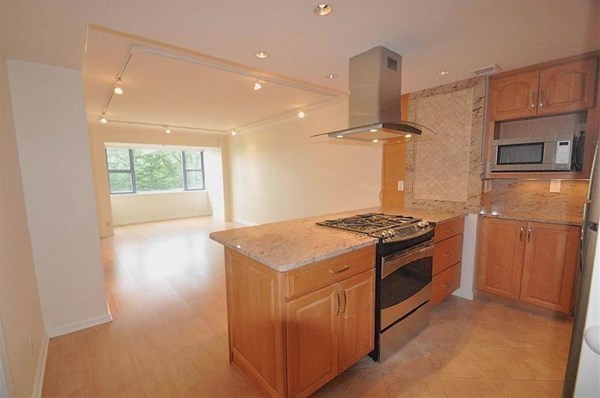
{"x":529,"y":261}
{"x":447,"y":256}
{"x":292,"y":332}
{"x":328,"y":331}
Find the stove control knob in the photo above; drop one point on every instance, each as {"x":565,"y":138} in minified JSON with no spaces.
{"x":423,"y":224}
{"x":384,"y":234}
{"x":391,"y":232}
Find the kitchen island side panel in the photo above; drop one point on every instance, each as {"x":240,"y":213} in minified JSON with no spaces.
{"x":256,"y":323}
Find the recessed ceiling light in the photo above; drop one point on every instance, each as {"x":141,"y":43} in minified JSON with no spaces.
{"x":118,"y":89}
{"x":340,"y":136}
{"x":407,"y":135}
{"x":373,"y":130}
{"x":233,"y":132}
{"x":262,"y":54}
{"x":257,"y":86}
{"x":168,"y":130}
{"x":323,"y":9}
{"x":103,"y":119}
{"x":301,"y":114}
{"x":375,"y":141}
{"x":331,"y":76}
{"x":444,"y":72}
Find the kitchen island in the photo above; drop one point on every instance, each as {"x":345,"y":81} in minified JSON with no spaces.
{"x":301,"y":301}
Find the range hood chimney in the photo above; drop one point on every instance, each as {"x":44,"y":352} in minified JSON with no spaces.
{"x":374,"y":103}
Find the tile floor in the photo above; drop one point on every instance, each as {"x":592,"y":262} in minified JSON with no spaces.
{"x":166,"y":290}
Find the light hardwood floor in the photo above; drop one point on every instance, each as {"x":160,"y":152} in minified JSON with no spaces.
{"x":166,"y":289}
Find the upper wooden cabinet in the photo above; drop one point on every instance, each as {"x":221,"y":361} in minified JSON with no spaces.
{"x":515,"y":96}
{"x":567,"y":87}
{"x":529,"y":261}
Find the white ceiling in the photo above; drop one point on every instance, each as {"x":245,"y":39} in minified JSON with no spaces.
{"x":432,"y":35}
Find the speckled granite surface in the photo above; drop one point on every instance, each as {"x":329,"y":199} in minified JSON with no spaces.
{"x":556,"y":219}
{"x":287,"y":245}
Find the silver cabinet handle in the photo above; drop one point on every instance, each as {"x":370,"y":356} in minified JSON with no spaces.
{"x":343,"y":310}
{"x":532,"y":100}
{"x":528,"y":234}
{"x":542,"y":99}
{"x":345,"y":268}
{"x":337,"y":302}
{"x":521,"y":234}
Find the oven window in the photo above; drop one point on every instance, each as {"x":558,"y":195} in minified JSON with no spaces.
{"x":521,"y":154}
{"x":405,"y":282}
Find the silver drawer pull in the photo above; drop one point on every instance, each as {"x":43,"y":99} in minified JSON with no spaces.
{"x":345,"y":268}
{"x":449,"y":230}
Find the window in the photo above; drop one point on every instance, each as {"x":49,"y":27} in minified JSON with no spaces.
{"x":154,"y":170}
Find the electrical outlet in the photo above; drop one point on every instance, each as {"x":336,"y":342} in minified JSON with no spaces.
{"x":555,"y":186}
{"x":400,"y":185}
{"x":30,"y":343}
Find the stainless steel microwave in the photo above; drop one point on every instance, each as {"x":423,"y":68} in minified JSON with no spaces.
{"x":520,"y":154}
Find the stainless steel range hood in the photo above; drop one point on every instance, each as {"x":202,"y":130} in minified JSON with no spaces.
{"x":375,"y":90}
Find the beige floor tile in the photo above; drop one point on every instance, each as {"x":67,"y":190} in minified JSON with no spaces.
{"x":356,"y":383}
{"x":411,"y":386}
{"x":529,"y":388}
{"x":549,"y":363}
{"x":470,"y":388}
{"x":503,"y":363}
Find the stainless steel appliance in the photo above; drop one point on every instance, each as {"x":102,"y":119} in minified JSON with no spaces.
{"x":375,"y":91}
{"x":404,"y":273}
{"x":516,"y":154}
{"x":583,"y":365}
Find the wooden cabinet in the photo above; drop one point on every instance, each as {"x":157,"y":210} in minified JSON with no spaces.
{"x":528,"y":261}
{"x":328,"y":331}
{"x":568,"y":87}
{"x":561,"y":88}
{"x":292,"y":332}
{"x":447,"y":256}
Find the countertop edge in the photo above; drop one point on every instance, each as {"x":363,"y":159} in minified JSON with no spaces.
{"x":534,"y":219}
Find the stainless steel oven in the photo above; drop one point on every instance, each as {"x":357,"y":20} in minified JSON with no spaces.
{"x":404,"y":295}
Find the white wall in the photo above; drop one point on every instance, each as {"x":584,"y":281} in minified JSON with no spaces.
{"x":146,"y":207}
{"x":20,"y":311}
{"x":52,"y":142}
{"x":467,"y":271}
{"x":214,"y":179}
{"x":279,"y":172}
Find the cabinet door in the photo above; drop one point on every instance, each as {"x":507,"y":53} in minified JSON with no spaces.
{"x":357,"y":318}
{"x":514,"y":96}
{"x":567,"y":88}
{"x":501,"y":250}
{"x":550,"y":265}
{"x":311,"y":325}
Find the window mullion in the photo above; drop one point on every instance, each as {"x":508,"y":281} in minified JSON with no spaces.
{"x":184,"y":168}
{"x":132,"y":170}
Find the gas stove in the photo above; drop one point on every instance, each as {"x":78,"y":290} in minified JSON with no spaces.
{"x":385,"y":227}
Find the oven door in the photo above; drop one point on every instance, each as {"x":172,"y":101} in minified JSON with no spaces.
{"x":405,"y":282}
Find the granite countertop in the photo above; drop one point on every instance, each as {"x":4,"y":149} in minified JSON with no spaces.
{"x":554,"y":219}
{"x":283,"y":246}
{"x":435,"y":216}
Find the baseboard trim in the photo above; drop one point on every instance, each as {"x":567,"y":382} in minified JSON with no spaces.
{"x":244,"y":222}
{"x":74,"y":327}
{"x":41,"y":366}
{"x":464,"y":294}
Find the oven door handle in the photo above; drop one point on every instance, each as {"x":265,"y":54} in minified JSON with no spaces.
{"x":392,"y":263}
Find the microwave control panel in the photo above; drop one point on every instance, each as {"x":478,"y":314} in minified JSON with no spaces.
{"x":563,"y":152}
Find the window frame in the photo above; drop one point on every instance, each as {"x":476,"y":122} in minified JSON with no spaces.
{"x":131,"y":172}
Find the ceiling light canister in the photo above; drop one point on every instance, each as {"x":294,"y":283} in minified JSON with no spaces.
{"x":322,"y":9}
{"x":375,"y":141}
{"x":373,"y":130}
{"x":257,"y":86}
{"x":340,"y":136}
{"x":118,"y":89}
{"x":168,"y":130}
{"x":444,"y":72}
{"x":103,"y":119}
{"x":331,"y":76}
{"x":262,"y":54}
{"x":233,"y":132}
{"x":301,"y":114}
{"x":407,"y":135}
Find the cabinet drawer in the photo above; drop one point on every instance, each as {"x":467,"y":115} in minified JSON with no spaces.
{"x":445,"y":283}
{"x":305,"y":279}
{"x":447,"y":253}
{"x":450,"y":228}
